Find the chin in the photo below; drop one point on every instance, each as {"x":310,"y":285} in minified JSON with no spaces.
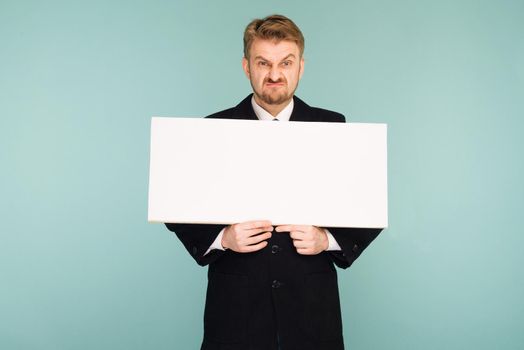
{"x":276,"y":100}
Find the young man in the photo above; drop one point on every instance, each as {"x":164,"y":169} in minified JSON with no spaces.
{"x":273,"y":287}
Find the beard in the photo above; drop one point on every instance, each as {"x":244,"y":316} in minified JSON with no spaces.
{"x":274,"y":96}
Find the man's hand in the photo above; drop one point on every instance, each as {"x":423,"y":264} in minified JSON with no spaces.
{"x":309,"y":240}
{"x":247,"y":237}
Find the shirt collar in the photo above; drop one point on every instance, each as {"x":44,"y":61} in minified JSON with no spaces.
{"x":262,"y":114}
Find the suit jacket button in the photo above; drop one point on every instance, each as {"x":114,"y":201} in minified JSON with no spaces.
{"x":355,"y":248}
{"x":195,"y":250}
{"x":276,"y":284}
{"x":275,"y":249}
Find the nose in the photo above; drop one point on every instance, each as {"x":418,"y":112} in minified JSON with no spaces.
{"x":274,"y":73}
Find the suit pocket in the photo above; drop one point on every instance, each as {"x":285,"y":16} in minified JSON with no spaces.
{"x":322,"y":310}
{"x":227,"y":308}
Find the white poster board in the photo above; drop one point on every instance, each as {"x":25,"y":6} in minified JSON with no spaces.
{"x":228,"y":171}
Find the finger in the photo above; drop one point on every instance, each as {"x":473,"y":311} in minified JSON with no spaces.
{"x":250,"y":225}
{"x":297,"y":235}
{"x":257,"y":239}
{"x":253,"y":248}
{"x":284,"y":228}
{"x":302,"y":244}
{"x":288,"y":228}
{"x":267,"y":228}
{"x":305,"y":251}
{"x":254,"y":232}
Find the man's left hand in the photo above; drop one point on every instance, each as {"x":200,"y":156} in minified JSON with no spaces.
{"x":307,"y":239}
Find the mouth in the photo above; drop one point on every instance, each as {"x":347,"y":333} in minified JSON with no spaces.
{"x":275,"y":85}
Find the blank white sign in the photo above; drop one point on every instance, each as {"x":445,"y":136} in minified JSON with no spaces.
{"x":224,"y":171}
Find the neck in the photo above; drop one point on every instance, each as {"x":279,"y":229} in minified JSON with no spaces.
{"x":273,"y":109}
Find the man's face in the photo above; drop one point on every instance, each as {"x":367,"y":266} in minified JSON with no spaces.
{"x":274,"y":69}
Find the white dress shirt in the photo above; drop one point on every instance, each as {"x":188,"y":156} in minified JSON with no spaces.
{"x":283,"y":116}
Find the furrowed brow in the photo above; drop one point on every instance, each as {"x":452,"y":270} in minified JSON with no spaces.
{"x":288,"y":57}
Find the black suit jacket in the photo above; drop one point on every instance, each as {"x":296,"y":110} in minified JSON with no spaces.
{"x":252,"y":297}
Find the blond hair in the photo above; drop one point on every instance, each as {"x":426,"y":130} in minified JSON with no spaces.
{"x":274,"y":27}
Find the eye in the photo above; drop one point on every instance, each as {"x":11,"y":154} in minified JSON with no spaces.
{"x":287,"y":63}
{"x":262,"y":63}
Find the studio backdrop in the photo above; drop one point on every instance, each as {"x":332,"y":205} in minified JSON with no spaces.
{"x":80,"y":267}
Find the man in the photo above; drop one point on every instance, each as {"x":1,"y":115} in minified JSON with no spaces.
{"x":273,"y":287}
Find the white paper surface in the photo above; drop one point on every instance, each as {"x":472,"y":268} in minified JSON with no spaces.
{"x":229,"y":171}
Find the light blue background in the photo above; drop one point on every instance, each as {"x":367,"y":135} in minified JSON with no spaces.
{"x":80,"y":267}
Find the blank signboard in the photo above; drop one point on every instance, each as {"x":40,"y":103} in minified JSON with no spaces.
{"x":228,"y":171}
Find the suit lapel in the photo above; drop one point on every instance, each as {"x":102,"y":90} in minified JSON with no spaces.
{"x":244,"y":110}
{"x":301,"y":111}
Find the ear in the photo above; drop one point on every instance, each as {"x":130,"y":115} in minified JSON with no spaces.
{"x":301,"y":68}
{"x":245,"y":67}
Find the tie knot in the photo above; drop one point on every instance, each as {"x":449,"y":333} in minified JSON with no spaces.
{"x":275,"y":119}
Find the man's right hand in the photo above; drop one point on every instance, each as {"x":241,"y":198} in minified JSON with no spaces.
{"x":247,"y":237}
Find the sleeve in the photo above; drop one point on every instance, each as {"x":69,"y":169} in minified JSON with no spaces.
{"x":332,"y":242}
{"x":197,"y":239}
{"x":352,"y":241}
{"x":217,"y":243}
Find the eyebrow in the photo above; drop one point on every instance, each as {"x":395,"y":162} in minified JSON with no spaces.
{"x":265,"y":59}
{"x":288,"y":56}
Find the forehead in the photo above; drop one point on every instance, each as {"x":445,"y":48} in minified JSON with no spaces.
{"x":273,"y":50}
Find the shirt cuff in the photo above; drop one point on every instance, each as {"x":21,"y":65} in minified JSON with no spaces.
{"x":332,"y":242}
{"x":217,"y":243}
